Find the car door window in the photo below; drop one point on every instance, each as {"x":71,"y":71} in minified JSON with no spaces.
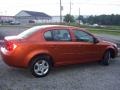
{"x":48,"y":36}
{"x":61,"y":35}
{"x":57,"y":35}
{"x":83,"y":36}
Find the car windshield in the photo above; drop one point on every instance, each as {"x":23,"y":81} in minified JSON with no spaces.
{"x":28,"y":32}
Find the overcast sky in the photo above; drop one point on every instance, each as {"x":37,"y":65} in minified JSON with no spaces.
{"x":51,"y":7}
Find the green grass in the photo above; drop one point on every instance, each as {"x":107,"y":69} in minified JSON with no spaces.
{"x":112,"y":30}
{"x":104,"y":32}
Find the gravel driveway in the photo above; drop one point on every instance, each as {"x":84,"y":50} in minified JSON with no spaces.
{"x":75,"y":77}
{"x":90,"y":76}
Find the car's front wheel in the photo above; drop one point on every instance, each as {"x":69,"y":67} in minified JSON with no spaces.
{"x":40,"y":66}
{"x":106,"y":58}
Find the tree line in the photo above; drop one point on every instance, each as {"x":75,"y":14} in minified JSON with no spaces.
{"x":101,"y":19}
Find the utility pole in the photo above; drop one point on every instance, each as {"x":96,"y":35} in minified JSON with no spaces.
{"x":79,"y":16}
{"x":5,"y":12}
{"x":70,"y":7}
{"x":60,"y":12}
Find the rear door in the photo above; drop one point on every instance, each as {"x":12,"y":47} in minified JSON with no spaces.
{"x":60,"y":45}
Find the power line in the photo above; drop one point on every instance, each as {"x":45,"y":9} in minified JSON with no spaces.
{"x":87,"y":3}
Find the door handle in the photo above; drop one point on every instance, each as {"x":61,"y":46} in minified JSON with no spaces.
{"x":54,"y":46}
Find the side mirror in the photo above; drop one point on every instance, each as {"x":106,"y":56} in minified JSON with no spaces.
{"x":96,"y":40}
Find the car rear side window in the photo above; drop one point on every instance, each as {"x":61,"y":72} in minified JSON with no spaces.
{"x":57,"y":35}
{"x":48,"y":36}
{"x":61,"y":35}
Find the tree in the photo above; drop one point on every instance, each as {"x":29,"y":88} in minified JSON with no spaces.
{"x":104,"y":19}
{"x":81,"y":18}
{"x":69,"y":18}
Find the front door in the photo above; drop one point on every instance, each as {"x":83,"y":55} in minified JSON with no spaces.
{"x":87,"y":50}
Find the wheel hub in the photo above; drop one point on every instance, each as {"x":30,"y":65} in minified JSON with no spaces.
{"x":41,"y":67}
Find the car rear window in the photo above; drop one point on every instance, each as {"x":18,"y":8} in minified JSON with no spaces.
{"x":29,"y":32}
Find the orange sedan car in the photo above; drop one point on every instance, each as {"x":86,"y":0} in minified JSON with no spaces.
{"x":42,"y":47}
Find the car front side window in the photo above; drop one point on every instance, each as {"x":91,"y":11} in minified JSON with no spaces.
{"x":83,"y":36}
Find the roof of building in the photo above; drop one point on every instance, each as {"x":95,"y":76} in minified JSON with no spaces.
{"x":37,"y":14}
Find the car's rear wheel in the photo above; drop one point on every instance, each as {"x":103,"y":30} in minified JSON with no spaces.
{"x":40,"y":66}
{"x":106,"y":58}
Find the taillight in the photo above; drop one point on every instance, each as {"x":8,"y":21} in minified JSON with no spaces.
{"x":10,"y":46}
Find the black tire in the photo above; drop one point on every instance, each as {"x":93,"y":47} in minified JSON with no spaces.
{"x":106,"y":58}
{"x":40,"y":66}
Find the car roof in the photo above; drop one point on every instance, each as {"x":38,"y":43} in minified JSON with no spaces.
{"x":36,"y":29}
{"x":54,"y":26}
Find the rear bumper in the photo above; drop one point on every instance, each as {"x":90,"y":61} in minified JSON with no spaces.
{"x":11,"y":58}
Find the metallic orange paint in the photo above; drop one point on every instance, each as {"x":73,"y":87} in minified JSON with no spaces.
{"x":62,"y":52}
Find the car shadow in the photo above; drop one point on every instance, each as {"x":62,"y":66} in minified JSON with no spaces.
{"x":74,"y":67}
{"x":56,"y":71}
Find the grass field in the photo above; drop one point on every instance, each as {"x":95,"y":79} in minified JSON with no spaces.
{"x":112,"y":30}
{"x":104,"y":31}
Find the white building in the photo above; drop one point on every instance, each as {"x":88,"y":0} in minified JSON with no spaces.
{"x":6,"y":18}
{"x":26,"y":17}
{"x":56,"y":19}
